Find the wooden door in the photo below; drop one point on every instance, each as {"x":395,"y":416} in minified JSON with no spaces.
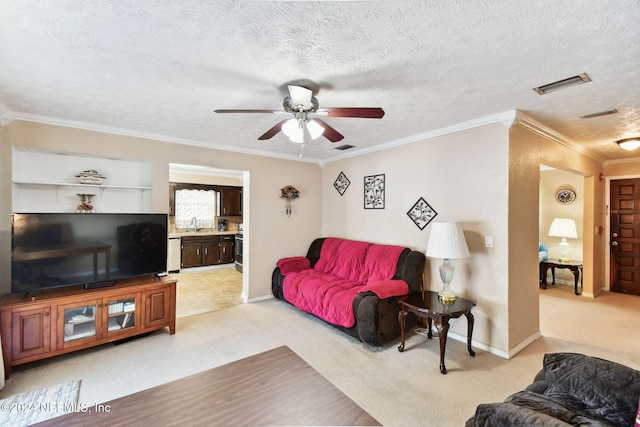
{"x":226,"y":250}
{"x":157,"y":307}
{"x":211,"y":253}
{"x":191,"y":254}
{"x":625,"y":236}
{"x":231,"y":201}
{"x":31,"y":332}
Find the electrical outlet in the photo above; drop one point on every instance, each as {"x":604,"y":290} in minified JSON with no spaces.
{"x":488,"y":241}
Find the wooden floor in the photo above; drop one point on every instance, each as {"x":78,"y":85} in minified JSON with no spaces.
{"x":276,"y":387}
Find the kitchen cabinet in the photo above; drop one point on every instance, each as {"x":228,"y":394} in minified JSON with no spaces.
{"x":230,"y":203}
{"x":226,"y":249}
{"x":172,"y":199}
{"x":191,"y":253}
{"x":199,"y":251}
{"x":83,"y":318}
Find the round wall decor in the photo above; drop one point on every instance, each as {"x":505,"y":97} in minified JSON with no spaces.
{"x":565,"y":196}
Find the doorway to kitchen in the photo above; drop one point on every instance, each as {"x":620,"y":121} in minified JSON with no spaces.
{"x":208,"y":278}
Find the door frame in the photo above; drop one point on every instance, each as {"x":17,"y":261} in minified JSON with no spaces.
{"x":607,"y":226}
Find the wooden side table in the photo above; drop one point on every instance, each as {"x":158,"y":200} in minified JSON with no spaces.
{"x":553,"y":263}
{"x":426,"y":305}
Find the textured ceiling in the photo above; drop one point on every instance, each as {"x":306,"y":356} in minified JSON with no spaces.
{"x":159,"y":68}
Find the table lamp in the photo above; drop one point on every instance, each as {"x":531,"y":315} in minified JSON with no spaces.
{"x":446,"y":241}
{"x":563,"y":227}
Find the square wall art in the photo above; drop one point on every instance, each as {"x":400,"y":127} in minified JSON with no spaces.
{"x":341,"y":183}
{"x":421,"y":213}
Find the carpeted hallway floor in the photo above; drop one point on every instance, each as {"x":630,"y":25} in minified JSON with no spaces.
{"x":202,"y":291}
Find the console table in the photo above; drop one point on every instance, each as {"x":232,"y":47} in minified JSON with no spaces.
{"x":426,"y":305}
{"x":553,"y":263}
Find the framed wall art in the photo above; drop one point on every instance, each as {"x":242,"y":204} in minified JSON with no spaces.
{"x":341,"y":183}
{"x":374,"y":192}
{"x":421,"y":213}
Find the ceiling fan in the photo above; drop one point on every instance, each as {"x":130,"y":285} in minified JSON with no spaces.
{"x":306,"y":123}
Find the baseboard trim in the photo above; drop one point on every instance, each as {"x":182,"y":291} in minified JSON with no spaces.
{"x":496,"y":351}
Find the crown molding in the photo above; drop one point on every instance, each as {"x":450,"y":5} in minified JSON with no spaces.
{"x":151,"y":136}
{"x":622,"y":161}
{"x":5,"y":115}
{"x":505,"y":118}
{"x":550,"y":134}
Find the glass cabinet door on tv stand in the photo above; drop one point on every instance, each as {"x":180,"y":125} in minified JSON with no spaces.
{"x":96,"y":319}
{"x":121,"y":314}
{"x":80,"y":323}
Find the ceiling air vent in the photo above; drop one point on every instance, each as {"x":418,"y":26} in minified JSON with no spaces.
{"x":598,"y":114}
{"x":561,"y":84}
{"x":344,"y":147}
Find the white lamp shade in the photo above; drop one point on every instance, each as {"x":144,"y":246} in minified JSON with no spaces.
{"x":296,"y":130}
{"x":563,"y":227}
{"x":447,"y":241}
{"x":315,"y":129}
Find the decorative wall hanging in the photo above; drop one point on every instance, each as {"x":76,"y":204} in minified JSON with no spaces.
{"x":341,"y":183}
{"x":90,"y":177}
{"x":289,"y":193}
{"x":374,"y":192}
{"x":565,"y":196}
{"x":421,"y":213}
{"x":85,"y":205}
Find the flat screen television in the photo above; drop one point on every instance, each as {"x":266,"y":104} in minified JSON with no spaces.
{"x":50,"y":250}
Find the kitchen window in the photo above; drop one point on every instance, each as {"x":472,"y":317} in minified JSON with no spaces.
{"x":195,"y":208}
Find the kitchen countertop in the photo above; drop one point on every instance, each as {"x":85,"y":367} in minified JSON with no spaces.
{"x":201,"y":233}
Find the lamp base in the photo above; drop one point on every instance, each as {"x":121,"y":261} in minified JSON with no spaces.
{"x":446,"y":298}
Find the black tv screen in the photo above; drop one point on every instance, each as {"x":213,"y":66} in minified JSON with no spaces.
{"x":51,"y":250}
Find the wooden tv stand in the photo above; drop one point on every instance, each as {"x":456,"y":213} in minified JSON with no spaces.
{"x":59,"y":321}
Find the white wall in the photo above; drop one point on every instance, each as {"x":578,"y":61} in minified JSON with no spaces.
{"x":464,"y":177}
{"x":269,"y":233}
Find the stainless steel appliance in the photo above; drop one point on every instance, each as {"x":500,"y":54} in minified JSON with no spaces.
{"x":222,"y":224}
{"x":238,"y":257}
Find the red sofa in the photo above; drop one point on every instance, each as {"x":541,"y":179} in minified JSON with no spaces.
{"x":352,"y":285}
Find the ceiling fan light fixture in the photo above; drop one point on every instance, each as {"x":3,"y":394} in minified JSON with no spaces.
{"x":296,"y":130}
{"x":564,"y":83}
{"x":629,"y":144}
{"x":315,"y":129}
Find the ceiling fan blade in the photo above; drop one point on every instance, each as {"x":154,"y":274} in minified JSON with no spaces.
{"x":246,"y":111}
{"x":366,"y":113}
{"x":300,"y":95}
{"x":273,"y":131}
{"x":330,"y":133}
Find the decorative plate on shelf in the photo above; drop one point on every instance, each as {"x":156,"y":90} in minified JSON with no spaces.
{"x":565,"y":196}
{"x":90,"y":177}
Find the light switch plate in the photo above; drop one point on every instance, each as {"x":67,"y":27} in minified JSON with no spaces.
{"x":488,"y":241}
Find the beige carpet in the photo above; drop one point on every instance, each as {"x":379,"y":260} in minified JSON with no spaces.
{"x":398,"y":389}
{"x":202,"y":291}
{"x":32,"y":407}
